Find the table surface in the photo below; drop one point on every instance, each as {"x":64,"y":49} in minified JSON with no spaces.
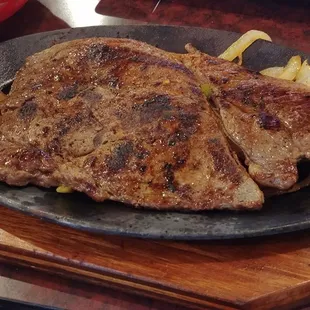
{"x":288,"y":23}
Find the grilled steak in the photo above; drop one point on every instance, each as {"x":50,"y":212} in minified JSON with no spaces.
{"x":118,"y":119}
{"x":267,"y":118}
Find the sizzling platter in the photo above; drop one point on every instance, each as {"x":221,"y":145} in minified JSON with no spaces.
{"x":143,"y":222}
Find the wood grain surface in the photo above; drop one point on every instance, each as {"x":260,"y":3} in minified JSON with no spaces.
{"x":253,"y":274}
{"x":28,"y":284}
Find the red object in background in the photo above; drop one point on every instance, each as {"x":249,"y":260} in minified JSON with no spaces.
{"x":9,"y":7}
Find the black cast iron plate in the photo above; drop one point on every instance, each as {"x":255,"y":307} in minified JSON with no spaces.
{"x":286,"y":213}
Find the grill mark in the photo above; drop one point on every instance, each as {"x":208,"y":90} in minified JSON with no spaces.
{"x":153,"y":107}
{"x":101,"y":54}
{"x":187,"y":127}
{"x":188,"y":121}
{"x":169,"y":177}
{"x":68,"y":92}
{"x":120,"y":156}
{"x":268,"y":121}
{"x":28,"y":110}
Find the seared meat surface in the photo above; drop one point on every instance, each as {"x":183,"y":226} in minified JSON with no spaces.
{"x":118,"y":119}
{"x":267,"y":119}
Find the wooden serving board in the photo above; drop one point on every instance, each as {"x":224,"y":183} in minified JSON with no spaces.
{"x":259,"y":273}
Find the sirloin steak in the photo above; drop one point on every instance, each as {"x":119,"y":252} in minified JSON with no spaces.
{"x":268,"y":119}
{"x":119,"y":119}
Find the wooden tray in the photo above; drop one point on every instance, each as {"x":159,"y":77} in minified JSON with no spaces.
{"x":252,"y":274}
